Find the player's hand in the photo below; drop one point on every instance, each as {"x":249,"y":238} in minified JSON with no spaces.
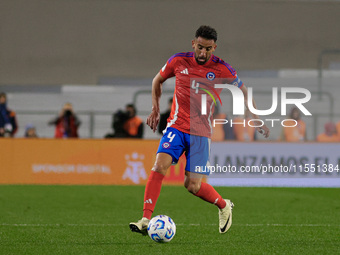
{"x":264,"y":130}
{"x":153,"y":120}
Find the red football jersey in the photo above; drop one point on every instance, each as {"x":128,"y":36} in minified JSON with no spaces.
{"x":195,"y":95}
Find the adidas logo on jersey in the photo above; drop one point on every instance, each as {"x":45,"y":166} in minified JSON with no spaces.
{"x":148,"y":201}
{"x":185,"y":71}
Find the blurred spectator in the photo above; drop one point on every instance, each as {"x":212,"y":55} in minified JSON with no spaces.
{"x":244,"y":132}
{"x":66,"y":123}
{"x":134,"y":125}
{"x":118,"y":120}
{"x":293,"y":133}
{"x":8,"y":122}
{"x":330,"y":134}
{"x":127,"y":124}
{"x":30,"y":131}
{"x":163,"y":118}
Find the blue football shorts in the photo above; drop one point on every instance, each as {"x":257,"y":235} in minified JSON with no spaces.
{"x":196,"y":148}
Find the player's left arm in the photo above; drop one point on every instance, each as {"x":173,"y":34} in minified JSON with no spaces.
{"x":264,"y":130}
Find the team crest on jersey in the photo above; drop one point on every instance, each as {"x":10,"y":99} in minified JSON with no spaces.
{"x":211,"y":76}
{"x":166,"y":145}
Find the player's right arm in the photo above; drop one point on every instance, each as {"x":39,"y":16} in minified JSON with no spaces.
{"x":153,"y":119}
{"x":166,"y":72}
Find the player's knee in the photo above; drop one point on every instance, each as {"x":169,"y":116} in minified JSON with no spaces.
{"x":160,"y":168}
{"x":192,"y":187}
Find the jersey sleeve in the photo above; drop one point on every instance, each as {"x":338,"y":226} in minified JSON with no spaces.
{"x":237,"y":82}
{"x":168,"y":69}
{"x":231,"y":76}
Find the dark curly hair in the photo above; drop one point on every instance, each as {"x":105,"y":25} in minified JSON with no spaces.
{"x":206,"y":32}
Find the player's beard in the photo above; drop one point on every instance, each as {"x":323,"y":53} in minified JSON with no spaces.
{"x":201,"y":62}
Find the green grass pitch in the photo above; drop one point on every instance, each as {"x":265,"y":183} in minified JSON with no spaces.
{"x":94,"y":220}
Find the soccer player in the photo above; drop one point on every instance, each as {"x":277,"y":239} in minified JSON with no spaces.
{"x":188,"y":130}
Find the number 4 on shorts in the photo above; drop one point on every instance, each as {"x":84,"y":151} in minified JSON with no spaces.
{"x":171,"y":136}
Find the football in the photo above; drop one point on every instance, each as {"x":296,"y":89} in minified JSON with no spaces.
{"x":161,"y":229}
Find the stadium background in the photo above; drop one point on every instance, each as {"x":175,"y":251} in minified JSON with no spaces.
{"x":78,"y":42}
{"x":101,"y":55}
